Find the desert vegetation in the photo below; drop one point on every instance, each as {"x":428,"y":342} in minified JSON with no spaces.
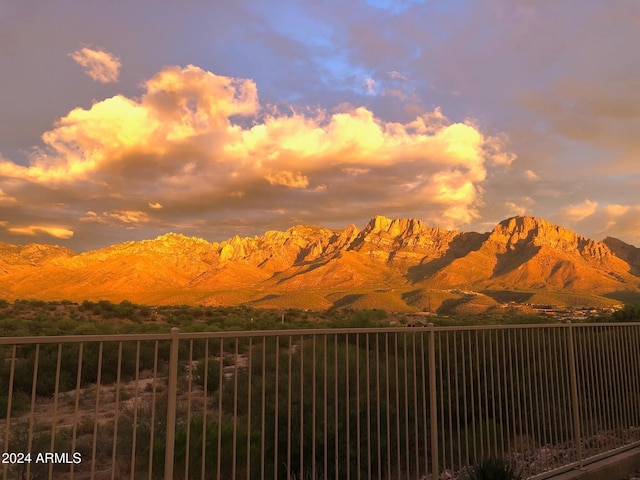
{"x":319,"y":406}
{"x":37,"y":317}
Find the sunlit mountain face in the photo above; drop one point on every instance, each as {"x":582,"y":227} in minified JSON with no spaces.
{"x":393,"y":264}
{"x":122,"y":122}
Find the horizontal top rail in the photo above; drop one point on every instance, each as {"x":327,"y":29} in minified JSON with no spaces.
{"x":84,"y":338}
{"x":293,"y":332}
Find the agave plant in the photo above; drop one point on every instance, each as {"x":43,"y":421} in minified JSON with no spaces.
{"x":493,"y":469}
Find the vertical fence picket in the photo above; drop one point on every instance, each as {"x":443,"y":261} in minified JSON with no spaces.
{"x":574,"y":393}
{"x":171,"y":404}
{"x":433,"y":401}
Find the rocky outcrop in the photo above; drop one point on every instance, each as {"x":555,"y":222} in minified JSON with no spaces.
{"x":517,"y":232}
{"x":403,"y":239}
{"x":32,"y":254}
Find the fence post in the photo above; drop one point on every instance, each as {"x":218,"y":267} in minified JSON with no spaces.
{"x":575,"y":404}
{"x":433,"y":402}
{"x":172,"y":392}
{"x":9,"y":398}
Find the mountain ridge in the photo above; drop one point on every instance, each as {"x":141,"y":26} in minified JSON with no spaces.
{"x":399,"y":255}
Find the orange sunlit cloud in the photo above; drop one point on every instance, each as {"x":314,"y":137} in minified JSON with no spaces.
{"x":98,"y":64}
{"x":178,"y":142}
{"x":33,"y":230}
{"x":6,"y":199}
{"x":531,"y":175}
{"x":576,"y":213}
{"x":616,"y":220}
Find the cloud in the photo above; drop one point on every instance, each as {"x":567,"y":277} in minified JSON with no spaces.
{"x":576,"y":213}
{"x":370,"y":84}
{"x":615,"y":211}
{"x":355,"y":171}
{"x":612,"y":220}
{"x":6,"y":199}
{"x":621,"y":221}
{"x":531,"y":175}
{"x":33,"y":230}
{"x":184,"y":112}
{"x":523,"y":207}
{"x":288,"y":179}
{"x":128,"y":216}
{"x":396,"y":75}
{"x":117,"y":217}
{"x":98,"y":64}
{"x":203,"y":145}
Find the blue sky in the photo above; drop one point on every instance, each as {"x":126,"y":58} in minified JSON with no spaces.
{"x":217,"y":118}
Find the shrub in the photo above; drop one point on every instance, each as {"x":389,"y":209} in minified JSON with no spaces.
{"x":630,"y":313}
{"x":213,"y":376}
{"x":493,"y":469}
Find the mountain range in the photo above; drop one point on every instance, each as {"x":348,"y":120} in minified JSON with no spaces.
{"x":400,"y":264}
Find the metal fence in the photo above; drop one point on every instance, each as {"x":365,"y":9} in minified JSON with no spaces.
{"x":393,"y":403}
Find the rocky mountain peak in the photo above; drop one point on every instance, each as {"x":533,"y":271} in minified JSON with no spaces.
{"x":169,"y":239}
{"x":532,"y":230}
{"x":621,"y":248}
{"x":404,"y":239}
{"x":399,"y":226}
{"x":378,"y":223}
{"x":626,"y":252}
{"x":33,"y":253}
{"x":394,"y":228}
{"x":521,"y":231}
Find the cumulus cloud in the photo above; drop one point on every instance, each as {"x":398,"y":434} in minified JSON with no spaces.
{"x":622,"y":221}
{"x":396,"y":75}
{"x":521,"y":207}
{"x":117,"y":217}
{"x":33,"y":230}
{"x":576,"y":213}
{"x":531,"y":175}
{"x":611,"y":220}
{"x":184,"y":113}
{"x":128,"y":216}
{"x":370,"y":84}
{"x":288,"y":179}
{"x":203,"y":143}
{"x":618,"y":210}
{"x":98,"y":64}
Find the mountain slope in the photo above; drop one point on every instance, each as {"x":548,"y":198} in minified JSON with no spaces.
{"x":320,"y":264}
{"x":626,"y":252}
{"x":527,"y":252}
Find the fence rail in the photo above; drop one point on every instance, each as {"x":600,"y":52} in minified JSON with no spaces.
{"x":392,"y":403}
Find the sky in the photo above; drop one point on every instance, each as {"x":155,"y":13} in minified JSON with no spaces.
{"x":127,"y":120}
